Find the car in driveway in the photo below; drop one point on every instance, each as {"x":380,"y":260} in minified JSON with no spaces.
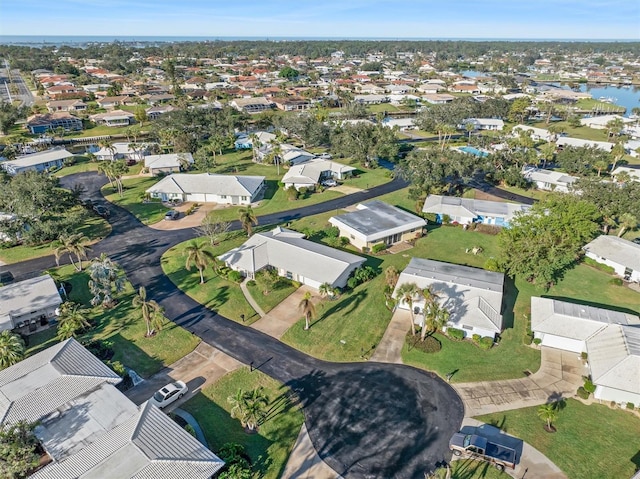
{"x":172,"y":215}
{"x":5,"y":277}
{"x":101,"y":210}
{"x":168,"y":394}
{"x":329,"y":183}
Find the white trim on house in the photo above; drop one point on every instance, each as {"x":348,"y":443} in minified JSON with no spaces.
{"x":622,"y":255}
{"x":36,"y":161}
{"x":548,"y":179}
{"x":28,"y":300}
{"x":167,"y":163}
{"x":469,"y":210}
{"x":312,"y":172}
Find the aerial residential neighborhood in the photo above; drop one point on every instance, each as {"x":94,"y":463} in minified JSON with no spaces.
{"x":338,"y":253}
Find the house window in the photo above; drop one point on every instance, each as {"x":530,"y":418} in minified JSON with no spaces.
{"x":469,"y":328}
{"x":352,"y":237}
{"x":289,"y":275}
{"x":223,"y":197}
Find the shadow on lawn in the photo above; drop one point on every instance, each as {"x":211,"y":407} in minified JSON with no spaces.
{"x":343,"y":306}
{"x":591,"y":304}
{"x":510,"y":298}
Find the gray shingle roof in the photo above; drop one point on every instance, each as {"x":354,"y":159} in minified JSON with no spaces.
{"x":376,"y":220}
{"x":618,"y":250}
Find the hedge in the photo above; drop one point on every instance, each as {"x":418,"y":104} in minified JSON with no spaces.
{"x":454,"y":333}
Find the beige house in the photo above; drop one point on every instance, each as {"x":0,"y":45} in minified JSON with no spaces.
{"x":375,"y":223}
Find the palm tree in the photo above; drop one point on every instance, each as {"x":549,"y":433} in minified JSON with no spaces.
{"x":326,"y":290}
{"x":106,"y":278}
{"x":600,"y":165}
{"x":255,"y":145}
{"x":73,"y":318}
{"x":249,"y":407}
{"x":308,"y":309}
{"x":547,"y":151}
{"x":406,"y":294}
{"x":152,"y":312}
{"x":617,"y":152}
{"x":627,"y":221}
{"x":75,"y":244}
{"x":469,"y":127}
{"x":248,"y":219}
{"x":11,"y":349}
{"x":199,"y":257}
{"x":106,"y":168}
{"x":391,"y":275}
{"x":436,"y":317}
{"x":548,"y":413}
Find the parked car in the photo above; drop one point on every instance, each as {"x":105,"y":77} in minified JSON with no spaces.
{"x":102,"y":210}
{"x":6,"y":277}
{"x":636,"y":240}
{"x":172,"y":215}
{"x":131,"y":162}
{"x":330,"y":182}
{"x":168,"y":394}
{"x":484,"y":449}
{"x":325,"y":156}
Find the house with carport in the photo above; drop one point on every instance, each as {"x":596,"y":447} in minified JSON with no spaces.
{"x":548,"y":179}
{"x":29,"y":305}
{"x":618,"y":253}
{"x":293,"y":257}
{"x":167,"y":163}
{"x":209,"y":188}
{"x":610,"y":339}
{"x":473,"y":296}
{"x":41,"y":161}
{"x":310,"y":173}
{"x":376,"y":222}
{"x":468,"y":210}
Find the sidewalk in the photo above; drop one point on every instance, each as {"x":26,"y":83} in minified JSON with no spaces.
{"x":304,"y":462}
{"x":250,"y":300}
{"x":390,"y":347}
{"x":276,"y":322}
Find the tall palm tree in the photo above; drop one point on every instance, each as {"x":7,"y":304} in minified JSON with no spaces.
{"x":199,"y":257}
{"x":600,"y":165}
{"x":248,"y":219}
{"x":106,"y":279}
{"x":106,"y":168}
{"x":75,"y":244}
{"x":255,"y":145}
{"x":627,"y":221}
{"x":152,"y":312}
{"x":73,"y":318}
{"x":406,"y":293}
{"x":308,"y":309}
{"x":11,"y":349}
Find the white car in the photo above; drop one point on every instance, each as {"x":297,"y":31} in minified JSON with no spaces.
{"x":330,"y":182}
{"x":168,"y":394}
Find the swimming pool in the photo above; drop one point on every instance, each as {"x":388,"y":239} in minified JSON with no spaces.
{"x":473,"y":151}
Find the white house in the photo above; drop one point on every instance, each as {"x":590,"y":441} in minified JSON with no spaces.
{"x":114,"y":118}
{"x":209,"y":188}
{"x":548,"y":179}
{"x":310,"y":173}
{"x":244,"y":142}
{"x":468,"y":210}
{"x":252,"y":105}
{"x":293,"y":257}
{"x":400,"y":123}
{"x":127,"y":151}
{"x":490,"y":124}
{"x":370,"y":99}
{"x":472,"y":296}
{"x":622,"y":255}
{"x":29,"y":304}
{"x":375,"y":223}
{"x":536,"y":133}
{"x":611,"y":340}
{"x":634,"y":173}
{"x":167,"y":163}
{"x":36,"y":161}
{"x":88,"y":428}
{"x":438,"y":98}
{"x":565,"y":141}
{"x":600,"y":122}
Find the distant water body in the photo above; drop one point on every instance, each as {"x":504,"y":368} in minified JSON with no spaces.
{"x":79,"y":40}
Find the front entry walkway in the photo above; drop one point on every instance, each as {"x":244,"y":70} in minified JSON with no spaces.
{"x":276,"y":322}
{"x":390,"y":348}
{"x":560,"y":374}
{"x":304,"y":462}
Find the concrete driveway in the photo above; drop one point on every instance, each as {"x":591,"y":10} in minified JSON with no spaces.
{"x":201,"y":367}
{"x":390,"y":347}
{"x":192,"y":221}
{"x":276,"y":322}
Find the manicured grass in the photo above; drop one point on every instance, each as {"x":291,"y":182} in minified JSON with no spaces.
{"x":217,"y":293}
{"x":134,"y":188}
{"x":269,"y":449}
{"x":124,"y":327}
{"x":591,"y":104}
{"x":99,"y":130}
{"x":282,"y":289}
{"x":95,"y":228}
{"x":470,"y":469}
{"x":530,"y":193}
{"x":591,"y":442}
{"x":82,"y":165}
{"x":382,"y":107}
{"x":582,"y":132}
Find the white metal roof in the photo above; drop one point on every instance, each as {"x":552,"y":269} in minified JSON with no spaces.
{"x":614,"y":357}
{"x":618,"y":250}
{"x":209,"y":183}
{"x":38,"y":158}
{"x":169,"y":160}
{"x":454,"y":206}
{"x":310,"y":172}
{"x":23,"y":297}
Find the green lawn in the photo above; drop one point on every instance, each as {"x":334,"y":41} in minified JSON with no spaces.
{"x":134,"y":188}
{"x":582,"y":132}
{"x":217,"y":293}
{"x":591,"y":442}
{"x":592,"y":103}
{"x":383,"y":107}
{"x":470,"y":469}
{"x":282,"y":289}
{"x":82,"y":165}
{"x":94,"y":228}
{"x":124,"y":327}
{"x":269,"y":449}
{"x":99,"y":130}
{"x":530,"y":193}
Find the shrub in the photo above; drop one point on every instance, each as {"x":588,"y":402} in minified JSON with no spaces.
{"x":378,"y":247}
{"x":584,"y":356}
{"x":615,"y":281}
{"x":528,"y":338}
{"x":454,"y":333}
{"x":429,"y":345}
{"x":487,"y":229}
{"x":235,"y":276}
{"x":303,"y":191}
{"x":492,"y":264}
{"x":582,"y":393}
{"x":332,"y":232}
{"x":630,"y":406}
{"x":296,"y":284}
{"x":352,"y":282}
{"x":589,"y":386}
{"x":189,"y":428}
{"x":446,"y":219}
{"x":343,"y":241}
{"x":476,"y":338}
{"x":431,"y":218}
{"x":103,"y":350}
{"x":292,"y":193}
{"x":537,"y":341}
{"x":486,"y":343}
{"x":251,"y":283}
{"x":594,"y":264}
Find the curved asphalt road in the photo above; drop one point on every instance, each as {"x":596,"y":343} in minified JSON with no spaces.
{"x":366,"y":420}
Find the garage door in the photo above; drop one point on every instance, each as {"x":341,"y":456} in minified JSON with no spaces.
{"x":567,"y":344}
{"x":197,"y":197}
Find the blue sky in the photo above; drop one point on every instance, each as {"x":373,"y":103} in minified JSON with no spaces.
{"x":584,"y":19}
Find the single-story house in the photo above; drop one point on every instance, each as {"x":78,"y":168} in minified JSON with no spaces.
{"x":29,"y":303}
{"x":113,"y":101}
{"x":114,"y":118}
{"x":536,"y":133}
{"x":565,"y":141}
{"x":600,"y":122}
{"x":244,"y":142}
{"x":611,"y":340}
{"x":167,"y":163}
{"x":473,"y":296}
{"x":127,"y":151}
{"x":312,"y":172}
{"x":376,"y":222}
{"x":39,"y":124}
{"x":291,"y":155}
{"x":251,"y":105}
{"x":401,"y":123}
{"x":438,"y":98}
{"x":468,"y":210}
{"x":66,"y":105}
{"x":370,"y":99}
{"x":294,"y":258}
{"x":88,"y":428}
{"x":209,"y":188}
{"x":156,"y":112}
{"x":622,"y":255}
{"x":634,"y":173}
{"x":292,"y":104}
{"x":41,"y":161}
{"x":492,"y":124}
{"x":549,"y":180}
